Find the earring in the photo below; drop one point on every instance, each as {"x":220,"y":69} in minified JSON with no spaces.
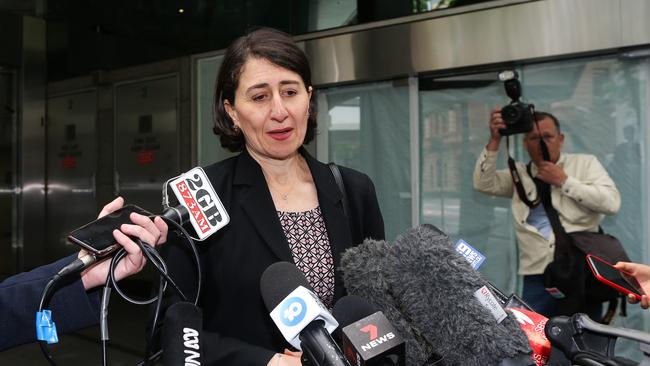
{"x":236,"y":129}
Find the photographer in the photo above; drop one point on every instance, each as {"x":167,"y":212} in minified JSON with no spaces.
{"x":581,"y":192}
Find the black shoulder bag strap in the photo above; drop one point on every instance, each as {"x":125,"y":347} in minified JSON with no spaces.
{"x":516,"y":180}
{"x":544,"y":192}
{"x":339,"y":182}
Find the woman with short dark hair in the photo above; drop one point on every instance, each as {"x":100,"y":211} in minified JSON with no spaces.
{"x":284,"y":205}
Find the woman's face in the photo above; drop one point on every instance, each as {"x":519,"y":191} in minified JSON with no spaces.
{"x":271,"y":109}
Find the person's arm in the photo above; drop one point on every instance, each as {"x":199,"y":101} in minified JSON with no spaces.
{"x":486,"y":178}
{"x":642,"y":274}
{"x":595,"y":190}
{"x":20,"y":296}
{"x":72,"y":307}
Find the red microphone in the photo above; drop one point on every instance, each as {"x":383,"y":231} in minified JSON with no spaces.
{"x":533,"y":325}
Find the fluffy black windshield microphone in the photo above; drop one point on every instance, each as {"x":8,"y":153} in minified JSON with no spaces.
{"x":181,"y":335}
{"x":432,"y":287}
{"x":299,"y":315}
{"x":364,"y":274}
{"x":368,"y":338}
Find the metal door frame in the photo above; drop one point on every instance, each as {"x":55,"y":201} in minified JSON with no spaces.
{"x":176,"y":75}
{"x":14,"y":189}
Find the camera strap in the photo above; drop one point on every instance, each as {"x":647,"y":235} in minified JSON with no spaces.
{"x":516,"y":180}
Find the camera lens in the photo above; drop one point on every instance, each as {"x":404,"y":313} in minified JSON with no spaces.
{"x":510,"y":114}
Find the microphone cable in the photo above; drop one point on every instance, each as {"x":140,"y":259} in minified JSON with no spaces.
{"x":153,"y":257}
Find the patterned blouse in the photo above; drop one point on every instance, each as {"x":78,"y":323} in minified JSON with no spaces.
{"x":311,"y":250}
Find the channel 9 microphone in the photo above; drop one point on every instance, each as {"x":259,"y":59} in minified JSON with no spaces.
{"x":299,"y":315}
{"x":367,"y":337}
{"x":182,"y":340}
{"x":431,"y":294}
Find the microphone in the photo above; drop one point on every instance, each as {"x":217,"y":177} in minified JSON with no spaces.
{"x":198,"y":202}
{"x":530,"y":322}
{"x":427,"y":291}
{"x":181,"y":335}
{"x":368,"y":338}
{"x":299,"y":315}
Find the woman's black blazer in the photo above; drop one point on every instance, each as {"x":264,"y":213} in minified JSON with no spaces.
{"x":238,"y":328}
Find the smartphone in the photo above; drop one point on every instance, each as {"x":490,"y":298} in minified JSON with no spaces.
{"x":97,"y":237}
{"x":614,"y":277}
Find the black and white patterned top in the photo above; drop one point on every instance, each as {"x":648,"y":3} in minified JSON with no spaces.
{"x":310,"y":246}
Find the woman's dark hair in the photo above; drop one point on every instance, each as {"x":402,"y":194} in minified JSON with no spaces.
{"x":269,"y":44}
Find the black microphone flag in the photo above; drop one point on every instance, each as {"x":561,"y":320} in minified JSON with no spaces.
{"x":181,"y":335}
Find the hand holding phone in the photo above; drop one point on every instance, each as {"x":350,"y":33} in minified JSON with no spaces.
{"x":616,"y":278}
{"x":97,"y":237}
{"x":100,"y":239}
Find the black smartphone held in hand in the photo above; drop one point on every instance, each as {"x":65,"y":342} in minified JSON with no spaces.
{"x":611,"y":276}
{"x":97,"y":237}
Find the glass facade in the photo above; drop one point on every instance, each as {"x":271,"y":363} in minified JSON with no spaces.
{"x":86,"y":36}
{"x":367,"y":128}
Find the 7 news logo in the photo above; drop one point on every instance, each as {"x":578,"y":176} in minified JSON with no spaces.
{"x":375,"y":340}
{"x":293,"y":311}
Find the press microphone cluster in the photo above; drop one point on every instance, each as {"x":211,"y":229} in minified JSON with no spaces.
{"x":427,"y":291}
{"x":299,"y":315}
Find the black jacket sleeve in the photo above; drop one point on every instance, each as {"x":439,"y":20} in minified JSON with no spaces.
{"x":72,"y":307}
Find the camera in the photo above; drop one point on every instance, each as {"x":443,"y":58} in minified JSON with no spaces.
{"x":518,"y":116}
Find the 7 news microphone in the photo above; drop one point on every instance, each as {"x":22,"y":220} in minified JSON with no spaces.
{"x":367,"y":337}
{"x":299,"y":315}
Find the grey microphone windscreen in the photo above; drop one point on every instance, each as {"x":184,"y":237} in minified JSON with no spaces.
{"x":431,"y":288}
{"x":364,"y":270}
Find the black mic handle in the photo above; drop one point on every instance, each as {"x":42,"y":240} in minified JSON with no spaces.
{"x":546,"y":155}
{"x":319,"y":347}
{"x":178,"y":214}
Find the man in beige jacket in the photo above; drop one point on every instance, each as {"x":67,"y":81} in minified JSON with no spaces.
{"x":581,"y":192}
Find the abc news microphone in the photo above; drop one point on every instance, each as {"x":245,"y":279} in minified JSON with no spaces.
{"x":299,"y":315}
{"x":427,"y":291}
{"x":181,"y":335}
{"x":368,"y":338}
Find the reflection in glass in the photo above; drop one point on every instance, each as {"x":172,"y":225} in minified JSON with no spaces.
{"x":368,"y":130}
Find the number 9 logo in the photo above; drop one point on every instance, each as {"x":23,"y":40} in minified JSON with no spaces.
{"x":293,"y":311}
